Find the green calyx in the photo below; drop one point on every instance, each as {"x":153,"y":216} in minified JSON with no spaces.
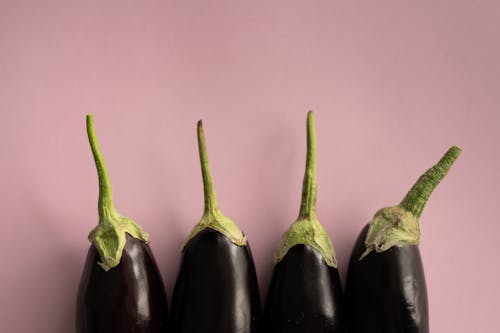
{"x":309,"y":232}
{"x":400,"y":225}
{"x":307,"y":229}
{"x":391,"y":226}
{"x":109,"y":237}
{"x":212,"y":217}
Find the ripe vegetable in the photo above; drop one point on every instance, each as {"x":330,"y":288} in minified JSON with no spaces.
{"x":216,"y":289}
{"x":121,"y":289}
{"x":305,"y":295}
{"x":386,"y":290}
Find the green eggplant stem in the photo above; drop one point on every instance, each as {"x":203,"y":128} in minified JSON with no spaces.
{"x":211,"y":206}
{"x":212,"y":217}
{"x":400,"y":225}
{"x":307,"y":229}
{"x":310,"y":185}
{"x":417,"y":197}
{"x":109,"y":236}
{"x":105,"y":205}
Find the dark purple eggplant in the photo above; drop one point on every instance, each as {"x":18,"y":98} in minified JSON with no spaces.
{"x":385,"y":288}
{"x":216,"y":290}
{"x":305,"y":294}
{"x":121,"y":289}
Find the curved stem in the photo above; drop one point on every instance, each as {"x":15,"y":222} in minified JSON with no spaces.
{"x":208,"y":185}
{"x":417,"y":197}
{"x":105,"y":205}
{"x":109,"y":237}
{"x":309,"y":186}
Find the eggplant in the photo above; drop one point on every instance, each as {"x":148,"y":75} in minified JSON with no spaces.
{"x":305,"y":293}
{"x":216,"y":290}
{"x":121,"y":289}
{"x":385,"y":288}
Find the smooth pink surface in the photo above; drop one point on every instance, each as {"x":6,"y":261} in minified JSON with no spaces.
{"x":393,"y":85}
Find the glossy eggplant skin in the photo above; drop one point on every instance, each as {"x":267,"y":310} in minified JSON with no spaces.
{"x":128,"y":298}
{"x":305,"y":295}
{"x":386,"y":292}
{"x":216,"y":290}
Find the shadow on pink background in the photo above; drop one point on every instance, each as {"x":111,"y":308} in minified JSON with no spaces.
{"x":392,"y":85}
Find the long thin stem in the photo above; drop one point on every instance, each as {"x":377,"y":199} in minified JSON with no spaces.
{"x":418,"y":195}
{"x":105,"y":204}
{"x":208,"y":185}
{"x":309,"y":186}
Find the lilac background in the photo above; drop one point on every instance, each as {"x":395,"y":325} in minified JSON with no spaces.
{"x":393,"y":85}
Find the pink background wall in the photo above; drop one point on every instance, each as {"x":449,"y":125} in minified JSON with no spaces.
{"x":393,"y":85}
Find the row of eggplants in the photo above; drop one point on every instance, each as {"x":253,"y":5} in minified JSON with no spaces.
{"x":216,"y":291}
